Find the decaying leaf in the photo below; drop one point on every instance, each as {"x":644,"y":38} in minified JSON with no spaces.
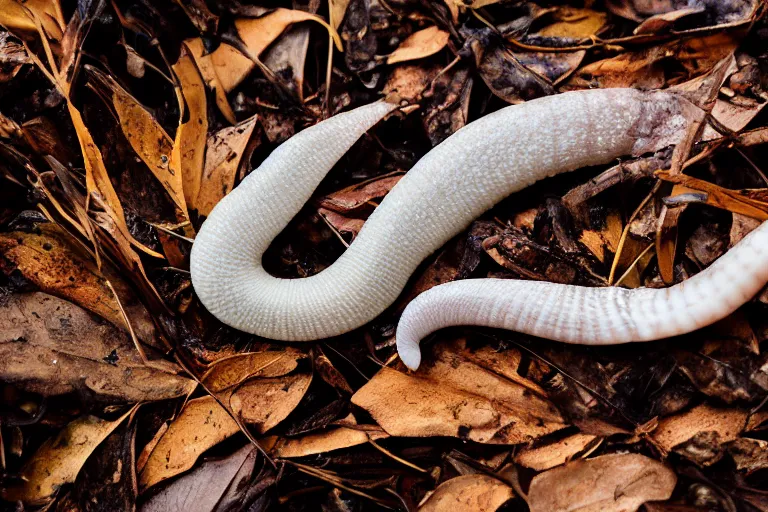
{"x":420,"y":44}
{"x":52,"y":347}
{"x":454,"y":395}
{"x":700,"y":432}
{"x":60,"y":458}
{"x":223,"y":155}
{"x":618,"y":482}
{"x":202,"y":423}
{"x":480,"y":493}
{"x":48,"y":258}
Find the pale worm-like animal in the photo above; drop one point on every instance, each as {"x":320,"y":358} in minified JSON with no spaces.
{"x":453,"y":184}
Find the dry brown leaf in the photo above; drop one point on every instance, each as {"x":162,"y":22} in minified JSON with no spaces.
{"x":355,"y":196}
{"x":59,"y":459}
{"x":231,"y":371}
{"x":208,"y":72}
{"x":48,"y":259}
{"x":326,"y":441}
{"x":147,"y":138}
{"x":188,"y":154}
{"x":556,"y":453}
{"x":575,"y":23}
{"x":225,"y":150}
{"x":478,"y":493}
{"x":265,"y":402}
{"x":610,"y":483}
{"x":341,"y":223}
{"x":229,"y":65}
{"x":52,"y":347}
{"x":735,"y":201}
{"x":675,"y":430}
{"x":453,"y":396}
{"x":663,"y":21}
{"x":202,"y":424}
{"x":96,"y":175}
{"x":420,"y":44}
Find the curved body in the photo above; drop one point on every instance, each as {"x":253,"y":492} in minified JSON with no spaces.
{"x":590,"y":316}
{"x":453,"y":184}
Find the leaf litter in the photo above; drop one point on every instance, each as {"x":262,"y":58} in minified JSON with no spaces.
{"x":123,"y":123}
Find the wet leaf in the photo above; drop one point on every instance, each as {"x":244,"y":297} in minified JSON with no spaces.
{"x":480,"y":493}
{"x":52,"y":347}
{"x":618,"y":482}
{"x":202,"y":424}
{"x":457,"y":395}
{"x":59,"y":459}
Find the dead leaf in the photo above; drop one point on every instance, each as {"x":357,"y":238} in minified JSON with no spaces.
{"x":202,"y":424}
{"x":20,"y":15}
{"x":673,"y":431}
{"x":547,"y":456}
{"x":147,"y":138}
{"x":188,"y":153}
{"x":325,"y":441}
{"x":231,"y":371}
{"x":660,"y":22}
{"x":265,"y":402}
{"x":420,"y":44}
{"x":48,"y":258}
{"x":478,"y":493}
{"x":202,"y":489}
{"x":225,"y":149}
{"x":52,"y":347}
{"x":355,"y":196}
{"x":610,"y":483}
{"x":735,"y":201}
{"x":60,"y":458}
{"x":230,"y":66}
{"x":453,"y":396}
{"x":575,"y":22}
